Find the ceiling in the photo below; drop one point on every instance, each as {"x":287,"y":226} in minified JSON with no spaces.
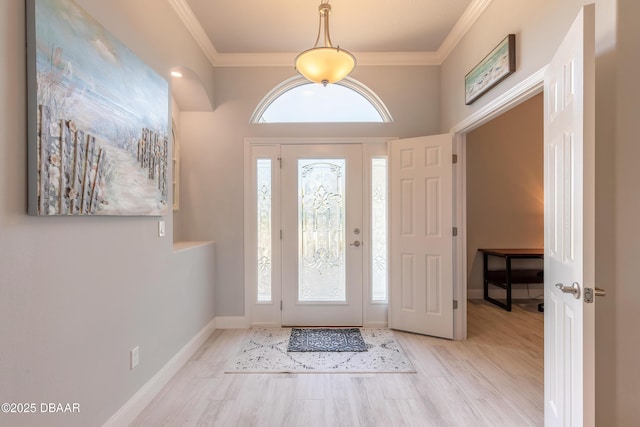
{"x":272,"y":32}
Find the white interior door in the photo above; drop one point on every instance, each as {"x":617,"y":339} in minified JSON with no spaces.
{"x":569,"y":228}
{"x":421,"y":250}
{"x":322,"y":235}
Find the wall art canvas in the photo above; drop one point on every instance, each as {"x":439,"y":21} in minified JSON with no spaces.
{"x":98,"y":119}
{"x":495,"y":67}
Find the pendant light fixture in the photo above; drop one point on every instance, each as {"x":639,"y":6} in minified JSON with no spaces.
{"x":325,"y":64}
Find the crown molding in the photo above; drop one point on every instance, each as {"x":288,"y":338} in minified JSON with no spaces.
{"x":184,"y":12}
{"x":286,"y":59}
{"x":464,"y":24}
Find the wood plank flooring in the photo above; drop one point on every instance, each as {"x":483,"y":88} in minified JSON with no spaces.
{"x":494,"y":378}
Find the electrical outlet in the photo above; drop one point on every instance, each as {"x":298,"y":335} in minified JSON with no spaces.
{"x":161,"y":229}
{"x":135,"y":357}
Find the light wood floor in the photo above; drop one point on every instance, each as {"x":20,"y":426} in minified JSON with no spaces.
{"x":494,"y":378}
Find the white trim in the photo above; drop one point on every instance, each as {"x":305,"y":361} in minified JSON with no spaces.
{"x":374,"y":313}
{"x":460,"y":242}
{"x":524,"y":90}
{"x":134,"y":406}
{"x":521,"y":92}
{"x":190,"y":21}
{"x":286,"y":59}
{"x":319,"y":140}
{"x":464,"y":24}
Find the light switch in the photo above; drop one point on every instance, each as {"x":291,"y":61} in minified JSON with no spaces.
{"x":161,"y":230}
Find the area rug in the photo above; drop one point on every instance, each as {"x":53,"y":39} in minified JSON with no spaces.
{"x":265,"y":351}
{"x":326,"y":339}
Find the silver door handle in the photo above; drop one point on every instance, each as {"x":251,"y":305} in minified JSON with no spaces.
{"x":356,"y":244}
{"x":573,"y":289}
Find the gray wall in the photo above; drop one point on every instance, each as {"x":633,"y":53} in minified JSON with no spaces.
{"x":76,"y":294}
{"x":213,"y":148}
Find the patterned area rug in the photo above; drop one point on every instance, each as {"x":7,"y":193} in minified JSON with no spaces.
{"x":326,"y":339}
{"x":266,"y":351}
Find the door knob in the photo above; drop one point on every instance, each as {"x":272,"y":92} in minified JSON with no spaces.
{"x":356,"y":244}
{"x":573,"y":289}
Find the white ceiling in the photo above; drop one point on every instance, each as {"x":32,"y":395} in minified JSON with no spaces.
{"x":269,"y":32}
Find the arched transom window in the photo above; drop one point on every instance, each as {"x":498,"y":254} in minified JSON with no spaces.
{"x":298,"y":101}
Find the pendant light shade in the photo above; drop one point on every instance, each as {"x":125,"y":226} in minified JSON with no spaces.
{"x":325,"y":64}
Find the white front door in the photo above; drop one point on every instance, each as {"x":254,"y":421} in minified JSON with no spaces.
{"x":421,"y":216}
{"x":569,"y":169}
{"x":322,"y":235}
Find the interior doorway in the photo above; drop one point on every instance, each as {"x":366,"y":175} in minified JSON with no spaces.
{"x":505,"y":200}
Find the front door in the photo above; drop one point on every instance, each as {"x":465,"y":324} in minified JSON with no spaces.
{"x":569,"y":170}
{"x":322,"y":235}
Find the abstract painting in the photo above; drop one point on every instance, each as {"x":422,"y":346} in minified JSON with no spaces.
{"x":98,"y":131}
{"x":494,"y":68}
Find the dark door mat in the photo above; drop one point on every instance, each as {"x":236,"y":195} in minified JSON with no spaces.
{"x":326,"y":339}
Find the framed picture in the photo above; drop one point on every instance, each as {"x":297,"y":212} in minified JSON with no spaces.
{"x":98,"y":133}
{"x":495,"y":67}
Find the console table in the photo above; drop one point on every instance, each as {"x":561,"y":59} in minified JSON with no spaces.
{"x":504,"y":278}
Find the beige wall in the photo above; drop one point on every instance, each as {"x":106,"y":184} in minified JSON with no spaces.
{"x":624,"y":291}
{"x":505,"y":198}
{"x":77,"y":294}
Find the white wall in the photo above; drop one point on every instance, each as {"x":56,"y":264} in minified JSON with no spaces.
{"x":212,"y":153}
{"x":76,"y":294}
{"x":539,"y":27}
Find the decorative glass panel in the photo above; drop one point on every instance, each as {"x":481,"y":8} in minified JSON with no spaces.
{"x":264,"y":257}
{"x":321,"y":225}
{"x":379,"y":229}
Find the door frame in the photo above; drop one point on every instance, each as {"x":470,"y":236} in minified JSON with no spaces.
{"x":518,"y":94}
{"x":374,"y":313}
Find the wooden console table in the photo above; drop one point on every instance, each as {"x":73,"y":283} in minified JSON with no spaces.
{"x":505,"y":278}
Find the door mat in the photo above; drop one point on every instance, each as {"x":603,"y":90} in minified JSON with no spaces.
{"x":326,"y":339}
{"x":265,"y":351}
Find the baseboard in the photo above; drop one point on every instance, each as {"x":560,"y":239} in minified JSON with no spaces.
{"x":499,"y":294}
{"x":232,"y":322}
{"x":134,"y":406}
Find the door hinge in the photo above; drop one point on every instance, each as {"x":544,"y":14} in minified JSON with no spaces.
{"x":280,"y":305}
{"x":455,"y":231}
{"x":280,"y":162}
{"x":454,"y":158}
{"x":455,"y":304}
{"x":280,"y":234}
